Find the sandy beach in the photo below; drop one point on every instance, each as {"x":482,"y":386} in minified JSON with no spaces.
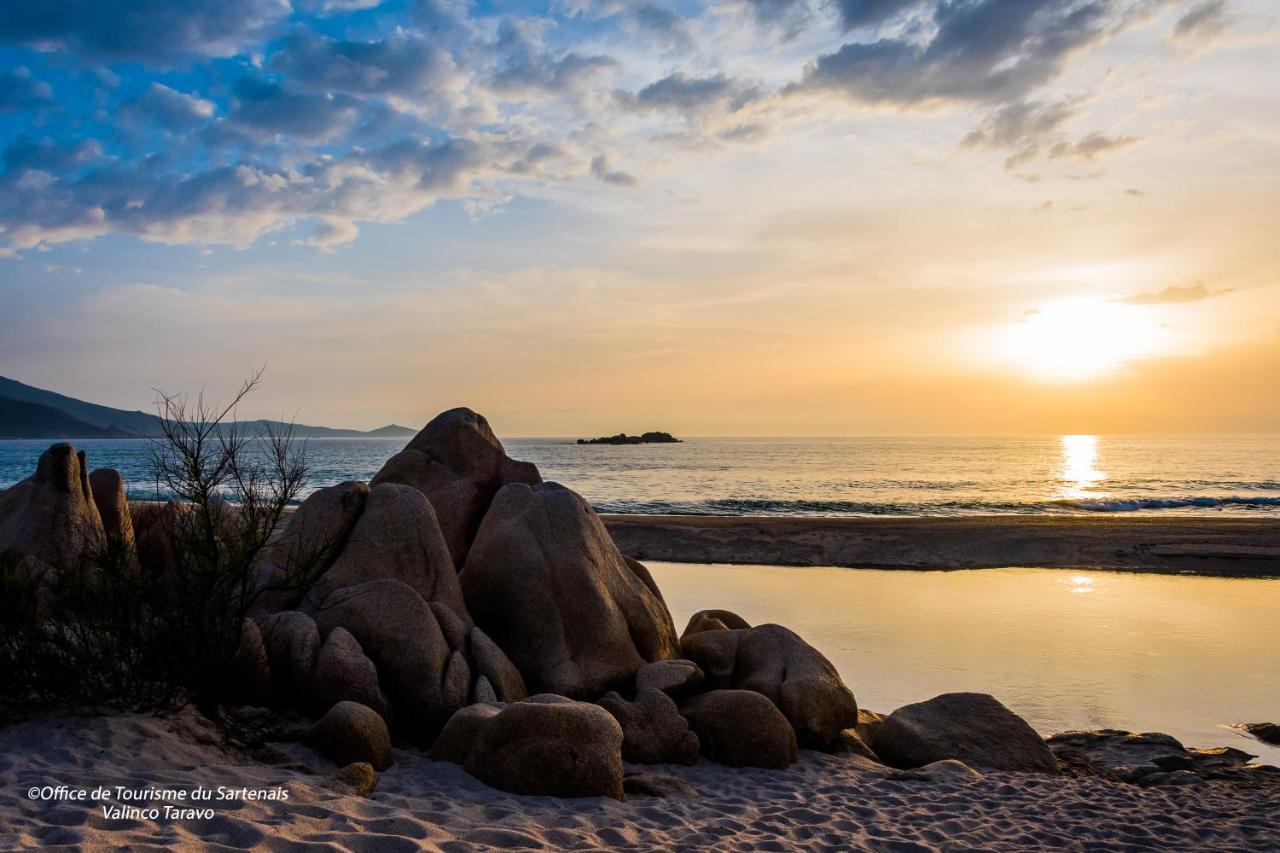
{"x":1217,"y":546}
{"x":823,"y":802}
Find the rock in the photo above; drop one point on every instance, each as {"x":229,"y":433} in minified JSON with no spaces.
{"x":1265,"y":732}
{"x":459,"y":464}
{"x":948,"y":770}
{"x":970,"y":727}
{"x":777,"y":663}
{"x":357,"y":779}
{"x":546,"y":582}
{"x":493,"y":665}
{"x":678,"y":678}
{"x":395,"y":537}
{"x":648,"y":784}
{"x":343,"y":672}
{"x":110,"y":497}
{"x":292,"y":641}
{"x":849,"y":742}
{"x":397,"y":631}
{"x":250,"y":677}
{"x":311,"y":541}
{"x":653,"y":732}
{"x":741,"y":728}
{"x":550,"y":745}
{"x":461,"y":734}
{"x":868,"y":723}
{"x":484,"y":691}
{"x":51,"y":515}
{"x":453,"y":627}
{"x":351,"y":732}
{"x":456,"y":685}
{"x":1153,"y":758}
{"x":713,"y":620}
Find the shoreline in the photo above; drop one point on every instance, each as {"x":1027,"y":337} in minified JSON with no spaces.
{"x":1223,"y":547}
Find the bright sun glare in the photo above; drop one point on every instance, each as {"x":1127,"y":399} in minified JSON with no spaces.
{"x":1074,"y":339}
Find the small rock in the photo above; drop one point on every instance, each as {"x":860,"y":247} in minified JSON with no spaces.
{"x":357,"y":779}
{"x":648,"y":784}
{"x":741,"y":728}
{"x":653,"y":732}
{"x":677,"y":678}
{"x":713,"y":620}
{"x":351,"y":732}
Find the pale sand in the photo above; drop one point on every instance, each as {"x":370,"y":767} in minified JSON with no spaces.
{"x":823,"y":802}
{"x":1229,"y":546}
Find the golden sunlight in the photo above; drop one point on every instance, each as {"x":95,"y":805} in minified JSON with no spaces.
{"x":1078,"y":338}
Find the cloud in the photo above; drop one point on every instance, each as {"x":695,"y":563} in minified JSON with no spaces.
{"x":403,"y":63}
{"x":264,"y":107}
{"x":152,"y":31}
{"x":1202,"y":24}
{"x":1022,"y":127}
{"x":668,"y":28}
{"x":600,"y":167}
{"x":168,"y":108}
{"x":985,"y":51}
{"x":1092,"y":146}
{"x":527,"y":66}
{"x":1174,"y":295}
{"x":870,"y":13}
{"x":686,"y":94}
{"x":20,"y":92}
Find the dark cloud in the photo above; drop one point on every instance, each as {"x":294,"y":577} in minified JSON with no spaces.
{"x":48,"y":156}
{"x":601,"y":169}
{"x":1203,"y":23}
{"x":668,"y":28}
{"x":526,"y":65}
{"x":160,"y":31}
{"x":19,"y":91}
{"x":870,"y":13}
{"x":1174,"y":295}
{"x":168,"y":108}
{"x":264,"y":107}
{"x":687,"y":94}
{"x":401,"y":64}
{"x":1022,"y":127}
{"x":985,"y":51}
{"x":1092,"y":146}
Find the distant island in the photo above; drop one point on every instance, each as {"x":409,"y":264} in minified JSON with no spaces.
{"x":623,"y":438}
{"x":27,"y":412}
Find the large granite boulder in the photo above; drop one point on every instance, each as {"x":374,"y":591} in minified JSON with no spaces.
{"x":51,"y":515}
{"x":713,"y":620}
{"x":397,"y":631}
{"x":677,"y":678}
{"x":493,"y":665}
{"x":350,"y":733}
{"x":776,"y":662}
{"x":112,"y":500}
{"x":343,"y":672}
{"x":396,"y":536}
{"x":546,"y":582}
{"x":970,"y":727}
{"x":653,"y":732}
{"x":741,"y":728}
{"x":292,"y":642}
{"x":546,"y":745}
{"x":460,"y":735}
{"x":459,"y":464}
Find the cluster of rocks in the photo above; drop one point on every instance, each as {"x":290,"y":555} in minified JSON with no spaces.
{"x":462,"y":605}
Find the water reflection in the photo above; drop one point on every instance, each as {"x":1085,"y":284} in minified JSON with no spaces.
{"x":1079,"y":473}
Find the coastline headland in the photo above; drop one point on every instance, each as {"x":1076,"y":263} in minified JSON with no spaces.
{"x":1231,"y":547}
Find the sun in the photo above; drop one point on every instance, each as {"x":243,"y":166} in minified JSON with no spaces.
{"x":1078,"y":338}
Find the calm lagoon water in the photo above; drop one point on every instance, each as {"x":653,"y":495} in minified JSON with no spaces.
{"x":850,"y":476}
{"x":1182,"y":655}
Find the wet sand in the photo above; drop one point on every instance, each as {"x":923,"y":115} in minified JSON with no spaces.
{"x":1239,"y":547}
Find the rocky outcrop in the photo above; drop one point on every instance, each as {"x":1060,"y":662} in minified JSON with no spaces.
{"x":741,"y":728}
{"x":1153,"y":759}
{"x":1265,"y":732}
{"x":459,"y":464}
{"x":546,"y":745}
{"x":653,"y":732}
{"x":351,"y":733}
{"x":292,"y":642}
{"x":777,"y":663}
{"x":112,"y":500}
{"x":546,"y":582}
{"x":51,"y":515}
{"x":395,"y":537}
{"x":714,"y":620}
{"x":970,"y":727}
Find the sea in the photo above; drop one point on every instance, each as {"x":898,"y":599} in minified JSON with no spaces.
{"x":865,"y":476}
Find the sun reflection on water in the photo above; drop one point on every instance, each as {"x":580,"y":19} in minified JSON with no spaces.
{"x":1078,"y":471}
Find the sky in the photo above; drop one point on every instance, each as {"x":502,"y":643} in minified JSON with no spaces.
{"x":737,"y":217}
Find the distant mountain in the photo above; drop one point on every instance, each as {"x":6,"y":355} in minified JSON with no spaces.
{"x":28,"y":412}
{"x":32,"y":420}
